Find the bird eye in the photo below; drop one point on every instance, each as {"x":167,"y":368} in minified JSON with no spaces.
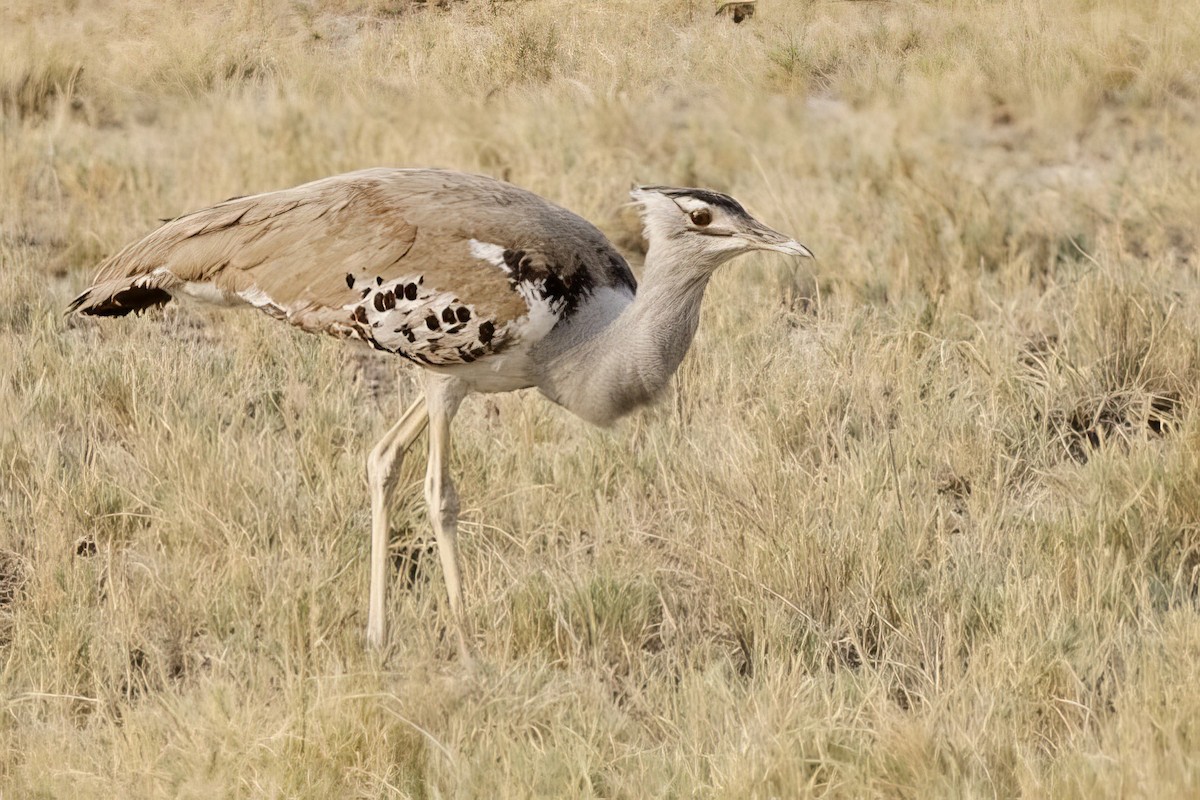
{"x":701,"y":217}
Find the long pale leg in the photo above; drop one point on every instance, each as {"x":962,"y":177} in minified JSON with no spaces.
{"x":442,"y":397}
{"x":383,"y":469}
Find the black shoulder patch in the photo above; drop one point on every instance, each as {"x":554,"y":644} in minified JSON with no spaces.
{"x":619,"y":269}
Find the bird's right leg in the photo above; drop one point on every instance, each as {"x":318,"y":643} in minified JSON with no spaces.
{"x":443,"y":396}
{"x":383,"y":469}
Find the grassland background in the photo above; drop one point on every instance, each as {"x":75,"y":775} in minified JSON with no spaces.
{"x":921,"y":519}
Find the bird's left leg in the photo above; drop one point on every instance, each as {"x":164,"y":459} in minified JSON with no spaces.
{"x":442,"y":397}
{"x":383,"y":469}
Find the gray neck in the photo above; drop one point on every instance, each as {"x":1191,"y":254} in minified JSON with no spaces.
{"x":628,"y":363}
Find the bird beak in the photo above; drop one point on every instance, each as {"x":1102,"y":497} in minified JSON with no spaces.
{"x":792,"y":248}
{"x":763,"y":238}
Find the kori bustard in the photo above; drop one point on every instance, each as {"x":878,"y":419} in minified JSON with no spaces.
{"x":488,"y":287}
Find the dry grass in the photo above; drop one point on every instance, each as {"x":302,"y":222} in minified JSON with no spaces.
{"x":920,"y":520}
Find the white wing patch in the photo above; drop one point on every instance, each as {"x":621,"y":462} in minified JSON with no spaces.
{"x":258,"y":298}
{"x":429,"y":326}
{"x":544,"y":310}
{"x":492,"y":253}
{"x":204,"y":291}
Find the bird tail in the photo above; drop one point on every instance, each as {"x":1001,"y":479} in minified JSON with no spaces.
{"x":134,"y":279}
{"x":119,"y":296}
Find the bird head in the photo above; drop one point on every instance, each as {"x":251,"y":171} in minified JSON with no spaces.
{"x":707,"y":228}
